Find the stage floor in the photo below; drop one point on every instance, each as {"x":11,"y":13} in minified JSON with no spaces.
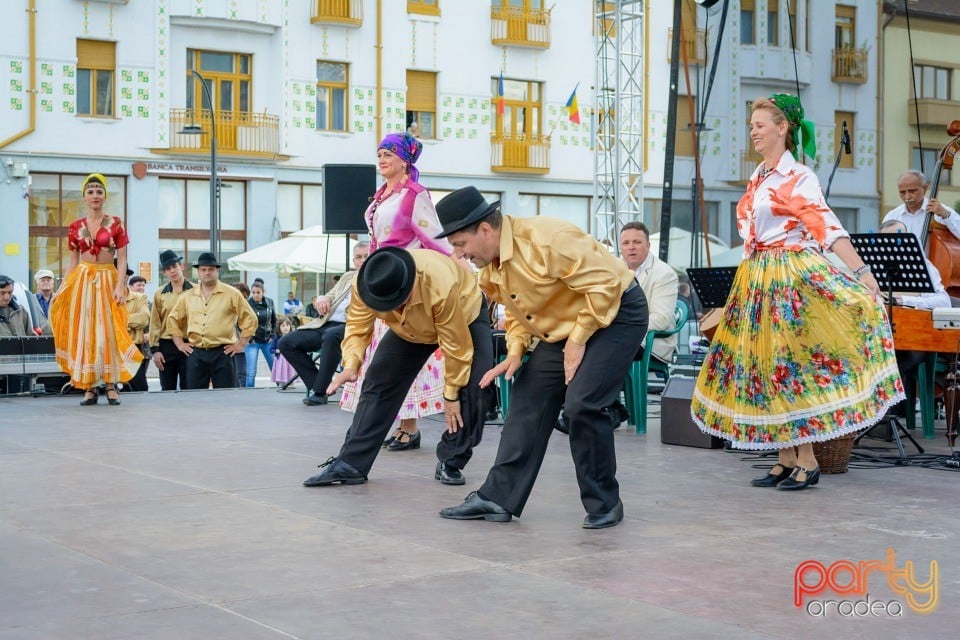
{"x":183,"y":516}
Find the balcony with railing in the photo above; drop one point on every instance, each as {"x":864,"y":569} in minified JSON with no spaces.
{"x":345,"y":13}
{"x":518,"y":27}
{"x":850,"y":65}
{"x":519,"y":154}
{"x":693,"y":41}
{"x":238,"y":133}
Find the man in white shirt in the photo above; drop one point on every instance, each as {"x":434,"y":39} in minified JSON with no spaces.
{"x":324,"y":334}
{"x":909,"y":361}
{"x":661,"y":286}
{"x":912,"y":187}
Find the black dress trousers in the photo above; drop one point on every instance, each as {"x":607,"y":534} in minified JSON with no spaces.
{"x":297,"y":345}
{"x":538,"y":395}
{"x":174,"y":366}
{"x":206,"y":366}
{"x":390,"y":374}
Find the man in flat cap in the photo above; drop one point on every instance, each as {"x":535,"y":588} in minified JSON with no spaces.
{"x":562,"y":286}
{"x":170,"y":361}
{"x":208,"y":316}
{"x":427,"y":300}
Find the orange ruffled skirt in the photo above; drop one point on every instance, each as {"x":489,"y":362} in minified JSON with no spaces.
{"x":90,"y":329}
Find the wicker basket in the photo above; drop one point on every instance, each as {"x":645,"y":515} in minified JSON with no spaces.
{"x":834,"y":455}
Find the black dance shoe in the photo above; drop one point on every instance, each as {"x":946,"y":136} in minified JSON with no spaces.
{"x":413,"y":442}
{"x":336,"y":471}
{"x":773,"y":478}
{"x":315,"y":399}
{"x":86,"y":402}
{"x":474,"y":508}
{"x":114,"y":401}
{"x":603,"y":520}
{"x":562,"y":425}
{"x":448,"y":475}
{"x":792,"y":484}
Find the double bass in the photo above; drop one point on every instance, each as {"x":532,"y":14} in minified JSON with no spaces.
{"x":943,"y":249}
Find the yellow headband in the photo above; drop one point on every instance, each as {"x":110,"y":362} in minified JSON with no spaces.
{"x":95,"y":177}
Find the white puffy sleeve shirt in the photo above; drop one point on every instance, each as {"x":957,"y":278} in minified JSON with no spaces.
{"x":786,"y":210}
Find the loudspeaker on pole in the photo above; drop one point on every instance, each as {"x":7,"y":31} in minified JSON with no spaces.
{"x":347,"y":189}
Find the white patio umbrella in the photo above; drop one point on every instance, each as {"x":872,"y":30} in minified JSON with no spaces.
{"x":679,"y":256}
{"x":306,"y":250}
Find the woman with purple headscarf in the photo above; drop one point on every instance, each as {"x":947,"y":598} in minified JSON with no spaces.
{"x":402,"y":215}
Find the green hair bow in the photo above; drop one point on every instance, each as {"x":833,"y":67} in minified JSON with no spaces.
{"x":804,"y":134}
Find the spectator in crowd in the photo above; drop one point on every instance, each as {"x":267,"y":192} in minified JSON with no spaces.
{"x":88,"y":315}
{"x":14,"y":320}
{"x":138,"y":322}
{"x":323,"y":334}
{"x":240,"y":359}
{"x":266,"y":328}
{"x":292,"y":305}
{"x":171,"y":363}
{"x":44,"y":280}
{"x":311,"y":310}
{"x":281,"y":371}
{"x":208,"y":315}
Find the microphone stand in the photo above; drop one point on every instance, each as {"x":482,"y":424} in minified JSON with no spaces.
{"x":844,"y":147}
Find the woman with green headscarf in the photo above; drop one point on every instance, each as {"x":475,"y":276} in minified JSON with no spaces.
{"x":803,"y":352}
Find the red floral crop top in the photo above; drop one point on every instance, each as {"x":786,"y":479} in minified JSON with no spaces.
{"x":110,"y":236}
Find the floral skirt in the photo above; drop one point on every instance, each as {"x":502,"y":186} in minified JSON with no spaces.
{"x":90,"y":329}
{"x":802,"y":354}
{"x":425,"y":397}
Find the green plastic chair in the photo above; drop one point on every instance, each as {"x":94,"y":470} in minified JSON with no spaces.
{"x":635,"y":384}
{"x":505,"y":386}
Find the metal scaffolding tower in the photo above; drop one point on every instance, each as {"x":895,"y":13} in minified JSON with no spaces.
{"x":618,"y":117}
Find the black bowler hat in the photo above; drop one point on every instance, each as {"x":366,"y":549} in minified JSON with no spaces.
{"x":169,"y":258}
{"x":462,"y":208}
{"x":207,"y":259}
{"x":386,"y":278}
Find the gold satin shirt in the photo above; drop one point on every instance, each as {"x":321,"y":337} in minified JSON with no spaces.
{"x":444,"y":301}
{"x":164,"y":300}
{"x":212,"y":323}
{"x":554,"y":281}
{"x":138,"y":312}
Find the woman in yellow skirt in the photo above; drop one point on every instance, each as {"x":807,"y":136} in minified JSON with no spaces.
{"x":803,"y":352}
{"x":88,"y":315}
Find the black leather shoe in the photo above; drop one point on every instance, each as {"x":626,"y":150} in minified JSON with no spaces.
{"x":315,"y":399}
{"x":603,"y":520}
{"x":773,"y":478}
{"x":618,"y":414}
{"x":811,"y":478}
{"x":413,"y":442}
{"x":448,"y":475}
{"x":336,"y":471}
{"x":114,"y":401}
{"x":476,"y":507}
{"x":86,"y":402}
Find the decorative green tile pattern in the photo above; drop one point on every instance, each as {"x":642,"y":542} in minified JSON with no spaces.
{"x":16,"y":104}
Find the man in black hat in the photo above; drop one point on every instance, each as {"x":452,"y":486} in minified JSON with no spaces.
{"x":169,"y":360}
{"x":138,"y":321}
{"x":562,"y":286}
{"x":426,"y":299}
{"x":208,"y":316}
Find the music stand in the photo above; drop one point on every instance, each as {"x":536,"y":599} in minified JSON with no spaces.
{"x":898,"y":263}
{"x":712,"y":284}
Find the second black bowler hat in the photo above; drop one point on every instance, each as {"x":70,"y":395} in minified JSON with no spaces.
{"x":207,"y":259}
{"x":385,"y":280}
{"x":168,"y":258}
{"x":461,"y":208}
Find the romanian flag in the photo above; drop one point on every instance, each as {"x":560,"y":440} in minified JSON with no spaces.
{"x":573,"y":107}
{"x":500,"y":107}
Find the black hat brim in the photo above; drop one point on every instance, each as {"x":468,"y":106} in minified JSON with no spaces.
{"x":379,"y":303}
{"x":207,"y":264}
{"x":471,"y":218}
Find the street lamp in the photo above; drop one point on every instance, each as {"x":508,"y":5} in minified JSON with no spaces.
{"x":194,"y":129}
